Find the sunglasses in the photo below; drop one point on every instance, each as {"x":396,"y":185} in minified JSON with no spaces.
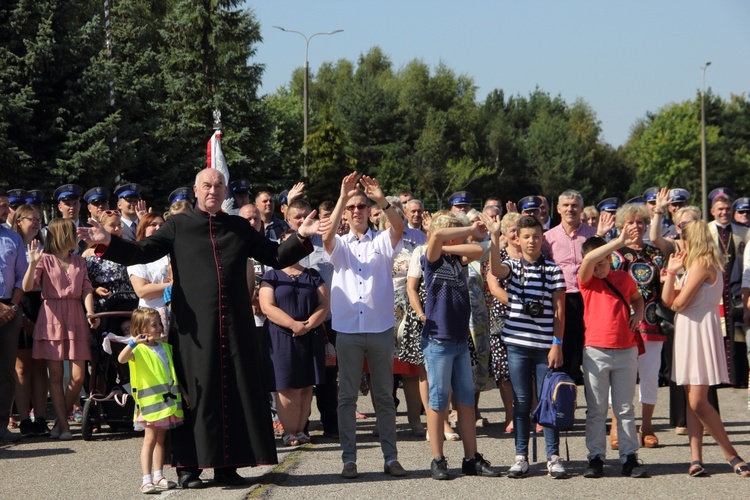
{"x":684,"y":223}
{"x":359,"y":207}
{"x":110,"y":212}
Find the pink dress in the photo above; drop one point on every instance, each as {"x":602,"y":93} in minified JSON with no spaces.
{"x":61,"y":331}
{"x":699,"y":354}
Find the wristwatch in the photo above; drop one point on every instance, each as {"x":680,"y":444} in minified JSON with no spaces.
{"x":14,"y":307}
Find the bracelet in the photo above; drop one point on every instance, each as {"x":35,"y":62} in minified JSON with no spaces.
{"x":657,"y":211}
{"x":303,"y":238}
{"x":556,"y":341}
{"x":671,"y":273}
{"x":386,"y":207}
{"x":132,"y":344}
{"x":89,"y":315}
{"x":420,"y":316}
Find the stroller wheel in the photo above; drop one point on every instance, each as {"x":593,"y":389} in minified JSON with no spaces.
{"x":90,"y":419}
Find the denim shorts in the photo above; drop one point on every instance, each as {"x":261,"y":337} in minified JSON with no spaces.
{"x":448,"y":366}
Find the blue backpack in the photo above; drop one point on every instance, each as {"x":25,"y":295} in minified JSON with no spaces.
{"x":557,"y":402}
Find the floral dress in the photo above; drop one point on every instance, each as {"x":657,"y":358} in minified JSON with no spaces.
{"x":110,"y":275}
{"x":479,"y":329}
{"x":410,"y":331}
{"x":497,"y":314}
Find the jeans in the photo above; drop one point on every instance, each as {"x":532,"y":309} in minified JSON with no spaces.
{"x":524,"y":364}
{"x":448,"y":365}
{"x":8,"y":347}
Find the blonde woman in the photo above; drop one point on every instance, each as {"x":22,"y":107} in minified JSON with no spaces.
{"x":699,"y":356}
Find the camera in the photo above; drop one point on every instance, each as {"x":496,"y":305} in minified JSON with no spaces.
{"x":533,"y":308}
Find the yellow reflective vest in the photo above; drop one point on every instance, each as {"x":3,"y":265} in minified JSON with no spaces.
{"x":153,"y":395}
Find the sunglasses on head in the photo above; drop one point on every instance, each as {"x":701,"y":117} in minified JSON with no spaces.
{"x":360,"y":207}
{"x":110,"y":212}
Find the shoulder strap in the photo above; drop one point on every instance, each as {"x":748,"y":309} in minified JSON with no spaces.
{"x":617,"y":292}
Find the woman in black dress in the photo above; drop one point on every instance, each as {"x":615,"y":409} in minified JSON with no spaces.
{"x":295,"y":301}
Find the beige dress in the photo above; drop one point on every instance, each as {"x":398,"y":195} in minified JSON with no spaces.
{"x":699,"y":354}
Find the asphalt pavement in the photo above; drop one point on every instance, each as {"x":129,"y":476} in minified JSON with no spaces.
{"x":109,"y":466}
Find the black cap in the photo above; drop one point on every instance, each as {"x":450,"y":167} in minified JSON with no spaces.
{"x":650,"y":193}
{"x":67,"y":192}
{"x":636,"y":200}
{"x":35,"y":196}
{"x":131,"y":190}
{"x":529,"y":203}
{"x":96,"y":194}
{"x":182,"y":193}
{"x":461,"y":198}
{"x":608,"y":205}
{"x":17,"y":197}
{"x":742,"y":204}
{"x":240,"y":186}
{"x":678,"y":195}
{"x":721,"y":191}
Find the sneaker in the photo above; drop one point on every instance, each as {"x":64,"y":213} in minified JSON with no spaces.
{"x":27,"y":427}
{"x":633,"y":467}
{"x":7,"y":436}
{"x":349,"y":471}
{"x":595,"y":468}
{"x":520,"y":468}
{"x":40,"y":427}
{"x":439,"y":468}
{"x":555,"y":468}
{"x":478,"y":466}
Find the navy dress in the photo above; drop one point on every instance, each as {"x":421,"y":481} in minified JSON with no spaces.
{"x":293,"y":362}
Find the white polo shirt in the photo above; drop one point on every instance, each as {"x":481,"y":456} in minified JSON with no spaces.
{"x":362,"y":286}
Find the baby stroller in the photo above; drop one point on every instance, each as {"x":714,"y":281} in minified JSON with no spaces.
{"x":109,"y":401}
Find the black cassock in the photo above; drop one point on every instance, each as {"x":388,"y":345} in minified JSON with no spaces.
{"x":216,"y":346}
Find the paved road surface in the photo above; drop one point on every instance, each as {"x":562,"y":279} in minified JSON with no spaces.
{"x":109,"y":467}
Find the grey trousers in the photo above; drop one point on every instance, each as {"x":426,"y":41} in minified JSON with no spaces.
{"x":351,"y":349}
{"x":606,"y":370}
{"x":8,"y":346}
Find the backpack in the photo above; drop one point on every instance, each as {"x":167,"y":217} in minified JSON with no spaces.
{"x":557,"y":402}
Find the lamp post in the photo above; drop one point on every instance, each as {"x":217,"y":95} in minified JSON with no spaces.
{"x":704,"y":187}
{"x":307,"y":77}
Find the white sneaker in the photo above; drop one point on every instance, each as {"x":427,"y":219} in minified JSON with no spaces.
{"x":555,"y":468}
{"x":520,"y":468}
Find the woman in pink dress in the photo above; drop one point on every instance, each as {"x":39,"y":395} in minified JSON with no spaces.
{"x":699,"y":359}
{"x":61,"y":331}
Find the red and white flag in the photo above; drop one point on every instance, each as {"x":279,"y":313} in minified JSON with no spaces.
{"x":215,"y":159}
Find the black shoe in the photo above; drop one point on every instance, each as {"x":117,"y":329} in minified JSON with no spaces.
{"x":27,"y":428}
{"x":478,"y":466}
{"x":40,"y":427}
{"x":331,"y":434}
{"x":191,"y":481}
{"x":633,"y":467}
{"x":228,"y":477}
{"x":439,"y":468}
{"x":595,"y":468}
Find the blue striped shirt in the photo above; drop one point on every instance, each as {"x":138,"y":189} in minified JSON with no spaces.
{"x":525,"y":283}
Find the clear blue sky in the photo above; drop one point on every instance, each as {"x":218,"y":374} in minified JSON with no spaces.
{"x":624,"y":58}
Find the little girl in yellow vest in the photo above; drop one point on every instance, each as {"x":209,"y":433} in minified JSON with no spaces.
{"x":157,"y":395}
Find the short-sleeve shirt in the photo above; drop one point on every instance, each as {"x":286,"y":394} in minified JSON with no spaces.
{"x":447,"y":306}
{"x":606,"y":319}
{"x":153,"y":272}
{"x":362,"y":287}
{"x":525,"y":283}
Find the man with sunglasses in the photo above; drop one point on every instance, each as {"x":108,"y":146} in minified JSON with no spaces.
{"x":97,"y":200}
{"x":741,"y":208}
{"x":361,"y":290}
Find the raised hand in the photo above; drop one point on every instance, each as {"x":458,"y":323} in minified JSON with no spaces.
{"x":662,"y":199}
{"x":628,"y":235}
{"x":426,"y":220}
{"x":140,"y":208}
{"x":372,"y":188}
{"x":676,"y":261}
{"x":511,"y":207}
{"x":311,"y":225}
{"x":35,"y":252}
{"x":349,"y":185}
{"x":606,"y":223}
{"x":295,"y":192}
{"x":491,"y":223}
{"x":94,"y":234}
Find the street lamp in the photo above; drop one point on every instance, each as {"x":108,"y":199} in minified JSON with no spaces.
{"x":704,"y":188}
{"x":307,"y":77}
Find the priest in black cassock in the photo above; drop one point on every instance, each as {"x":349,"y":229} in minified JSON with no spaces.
{"x":217,"y":351}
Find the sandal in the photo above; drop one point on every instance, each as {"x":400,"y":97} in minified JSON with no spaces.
{"x":164,"y":484}
{"x":650,"y":441}
{"x":740,"y":467}
{"x":148,"y":489}
{"x":452,"y":436}
{"x":696,"y":469}
{"x":302,"y":438}
{"x":290,"y":440}
{"x":509,"y":428}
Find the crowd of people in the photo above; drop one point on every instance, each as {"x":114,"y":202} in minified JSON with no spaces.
{"x":484,"y":296}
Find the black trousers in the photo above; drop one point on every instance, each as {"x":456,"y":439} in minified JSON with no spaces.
{"x":327,"y":394}
{"x":573,"y":337}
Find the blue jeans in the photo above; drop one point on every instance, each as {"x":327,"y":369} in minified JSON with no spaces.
{"x":525,"y":364}
{"x":448,"y":365}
